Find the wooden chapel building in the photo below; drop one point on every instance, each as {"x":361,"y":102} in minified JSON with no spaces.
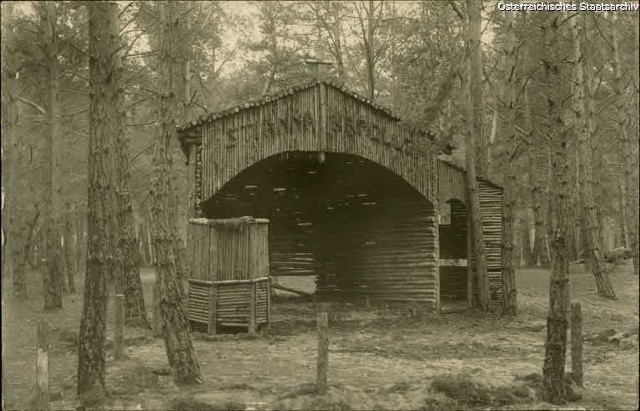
{"x":353,"y":197}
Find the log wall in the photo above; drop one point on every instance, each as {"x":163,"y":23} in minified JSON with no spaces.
{"x":228,"y":303}
{"x":491,"y":208}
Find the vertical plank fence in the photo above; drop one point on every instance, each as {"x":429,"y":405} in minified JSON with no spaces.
{"x":576,"y":344}
{"x":323,"y":352}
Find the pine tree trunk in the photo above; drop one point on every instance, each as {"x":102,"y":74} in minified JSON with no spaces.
{"x":69,"y":252}
{"x":635,"y":197}
{"x":13,"y":268}
{"x":509,"y":303}
{"x":474,"y":8}
{"x":585,"y":115}
{"x":52,"y":277}
{"x":622,"y":124}
{"x":80,"y":241}
{"x":553,"y":388}
{"x":184,"y":114}
{"x":624,"y":230}
{"x":475,"y":133}
{"x":127,"y":251}
{"x":538,"y":255}
{"x":175,"y":327}
{"x":103,"y":118}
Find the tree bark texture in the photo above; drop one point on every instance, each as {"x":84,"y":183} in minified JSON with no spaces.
{"x":69,"y":253}
{"x":52,"y":276}
{"x":539,"y":255}
{"x":127,"y":251}
{"x":474,"y":9}
{"x":624,"y":228}
{"x":13,"y":268}
{"x":553,"y":388}
{"x":175,"y":327}
{"x":585,"y":118}
{"x":509,"y":303}
{"x":103,"y":113}
{"x":473,"y":135}
{"x":623,"y":122}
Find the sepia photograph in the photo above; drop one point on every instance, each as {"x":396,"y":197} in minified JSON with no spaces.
{"x":320,"y":205}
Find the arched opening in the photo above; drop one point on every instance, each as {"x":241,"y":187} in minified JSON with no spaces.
{"x":453,"y":254}
{"x":357,"y":227}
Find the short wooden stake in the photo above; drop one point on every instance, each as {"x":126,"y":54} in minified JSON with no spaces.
{"x":576,"y":344}
{"x":118,"y":340}
{"x":252,"y":309}
{"x":323,"y":352}
{"x":157,"y":321}
{"x":41,"y":397}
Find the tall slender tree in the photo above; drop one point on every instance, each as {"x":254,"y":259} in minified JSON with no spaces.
{"x":12,"y":261}
{"x":536,"y":163}
{"x":623,"y":120}
{"x":558,"y":133}
{"x":508,"y":210}
{"x":585,"y":120}
{"x":175,"y":327}
{"x":52,"y":278}
{"x":373,"y":39}
{"x":327,"y":17}
{"x":69,"y":253}
{"x":475,"y":134}
{"x":127,"y":251}
{"x":105,"y":122}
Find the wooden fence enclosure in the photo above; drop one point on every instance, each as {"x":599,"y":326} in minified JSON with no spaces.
{"x":354,"y":197}
{"x":229,"y":272}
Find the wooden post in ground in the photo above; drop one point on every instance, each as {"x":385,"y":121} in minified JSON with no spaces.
{"x":576,"y":344}
{"x":323,"y":352}
{"x":252,"y":309}
{"x":41,"y":396}
{"x":118,"y":340}
{"x":157,"y":320}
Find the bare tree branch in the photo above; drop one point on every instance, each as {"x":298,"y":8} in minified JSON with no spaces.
{"x":33,"y":104}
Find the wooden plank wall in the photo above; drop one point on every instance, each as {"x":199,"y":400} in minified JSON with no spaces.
{"x":232,"y":302}
{"x":451,"y":182}
{"x":317,"y":117}
{"x":491,"y":207}
{"x":220,"y":252}
{"x":388,"y":253}
{"x":355,"y":127}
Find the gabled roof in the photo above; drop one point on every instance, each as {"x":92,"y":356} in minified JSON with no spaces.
{"x":280,"y":94}
{"x":263,"y":100}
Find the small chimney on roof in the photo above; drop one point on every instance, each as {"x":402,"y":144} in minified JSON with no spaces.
{"x":319,"y":68}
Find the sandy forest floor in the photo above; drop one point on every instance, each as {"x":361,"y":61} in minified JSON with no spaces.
{"x":378,"y":359}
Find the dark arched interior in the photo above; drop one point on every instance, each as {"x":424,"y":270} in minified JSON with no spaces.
{"x":360,"y":228}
